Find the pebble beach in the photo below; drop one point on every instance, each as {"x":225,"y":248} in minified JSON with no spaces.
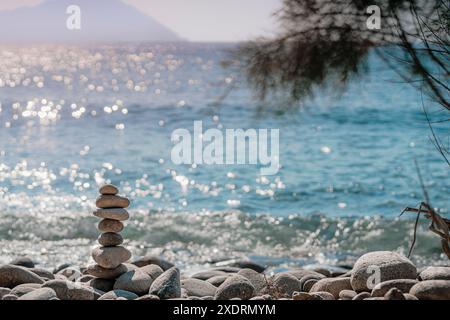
{"x":378,"y":275}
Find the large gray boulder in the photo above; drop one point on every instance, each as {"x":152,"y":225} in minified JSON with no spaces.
{"x":382,"y":266}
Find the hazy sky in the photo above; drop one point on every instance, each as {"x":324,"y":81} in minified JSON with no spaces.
{"x":201,"y":20}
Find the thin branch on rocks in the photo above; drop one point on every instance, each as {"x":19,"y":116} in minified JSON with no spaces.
{"x":438,"y":225}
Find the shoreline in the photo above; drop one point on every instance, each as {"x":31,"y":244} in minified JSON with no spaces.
{"x":153,"y":278}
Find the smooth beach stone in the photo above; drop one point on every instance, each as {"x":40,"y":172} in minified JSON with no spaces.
{"x":218,"y":280}
{"x":109,"y":189}
{"x":309,"y":284}
{"x":361,"y":296}
{"x":303,"y":296}
{"x":391,"y":265}
{"x":146,"y":260}
{"x":71,"y":273}
{"x":328,"y":271}
{"x":10,"y":297}
{"x":404,"y":285}
{"x":118,"y":214}
{"x":105,"y":273}
{"x":226,"y":269}
{"x":58,"y":277}
{"x":301,"y":273}
{"x":12,"y":275}
{"x":247,"y":264}
{"x":198,"y":288}
{"x":432,"y":290}
{"x":61,"y":266}
{"x":110,"y":239}
{"x":305,"y":279}
{"x":148,"y":297}
{"x":235,"y":286}
{"x":257,"y":279}
{"x":332,"y":285}
{"x":67,"y":290}
{"x":286,"y":284}
{"x":86,"y":278}
{"x":130,"y":266}
{"x":409,"y":296}
{"x":205,"y":275}
{"x":25,"y":288}
{"x":394,"y":294}
{"x":109,"y":225}
{"x":153,"y":270}
{"x":135,"y":281}
{"x":167,"y":285}
{"x":347,"y":294}
{"x":43,"y":273}
{"x":241,"y":264}
{"x":110,"y":257}
{"x":104,"y":285}
{"x":108,"y":201}
{"x":435,"y":273}
{"x":114,"y":294}
{"x":98,"y":293}
{"x":4,"y":292}
{"x":39,"y":294}
{"x":25,"y":262}
{"x":323,"y":295}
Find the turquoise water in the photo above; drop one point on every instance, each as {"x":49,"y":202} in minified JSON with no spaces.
{"x":73,"y":118}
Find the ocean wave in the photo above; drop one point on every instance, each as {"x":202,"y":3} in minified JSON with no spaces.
{"x":191,"y":239}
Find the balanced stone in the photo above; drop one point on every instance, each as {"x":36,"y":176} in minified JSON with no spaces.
{"x":110,"y":239}
{"x":110,"y":257}
{"x":119,"y":214}
{"x":109,"y":189}
{"x":109,"y":225}
{"x":105,"y":273}
{"x":109,"y":201}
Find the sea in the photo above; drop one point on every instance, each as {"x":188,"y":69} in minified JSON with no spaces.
{"x":75,"y":117}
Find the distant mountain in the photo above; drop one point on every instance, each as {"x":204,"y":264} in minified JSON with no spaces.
{"x":101,"y":21}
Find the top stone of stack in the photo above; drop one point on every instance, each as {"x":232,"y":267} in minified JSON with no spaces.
{"x":109,"y":189}
{"x":109,"y":199}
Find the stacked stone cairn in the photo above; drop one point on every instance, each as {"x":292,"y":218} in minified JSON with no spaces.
{"x":110,"y":255}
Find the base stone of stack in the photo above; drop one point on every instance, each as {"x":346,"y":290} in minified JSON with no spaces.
{"x":110,"y":257}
